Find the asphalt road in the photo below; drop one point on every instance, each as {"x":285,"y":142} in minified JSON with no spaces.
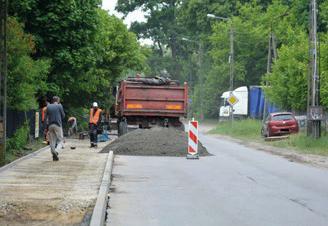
{"x":236,"y":186}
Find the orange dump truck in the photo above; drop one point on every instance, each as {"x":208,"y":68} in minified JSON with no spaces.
{"x":146,"y":102}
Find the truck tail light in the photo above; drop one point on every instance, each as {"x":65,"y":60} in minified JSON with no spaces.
{"x":173,"y":107}
{"x":135,"y":106}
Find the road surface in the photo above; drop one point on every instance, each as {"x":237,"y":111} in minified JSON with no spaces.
{"x":236,"y":186}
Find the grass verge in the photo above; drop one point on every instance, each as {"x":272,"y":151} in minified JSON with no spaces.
{"x":250,"y":130}
{"x":13,"y":154}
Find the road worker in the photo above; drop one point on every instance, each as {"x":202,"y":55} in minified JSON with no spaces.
{"x":72,"y":122}
{"x":55,"y":116}
{"x":94,"y":124}
{"x":44,"y":123}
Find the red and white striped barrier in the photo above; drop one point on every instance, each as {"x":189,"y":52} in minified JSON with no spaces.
{"x":193,"y":139}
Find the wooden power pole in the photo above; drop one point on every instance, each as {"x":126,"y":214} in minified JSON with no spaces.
{"x":314,"y":110}
{"x":232,"y":67}
{"x":3,"y":78}
{"x":272,"y":56}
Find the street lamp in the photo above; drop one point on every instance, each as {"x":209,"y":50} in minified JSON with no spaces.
{"x":231,"y":56}
{"x":217,"y":17}
{"x":200,"y":53}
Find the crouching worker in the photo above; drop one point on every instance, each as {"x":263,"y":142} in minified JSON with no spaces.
{"x":94,"y":124}
{"x":72,"y":122}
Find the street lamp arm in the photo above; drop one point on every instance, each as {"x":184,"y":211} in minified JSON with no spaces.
{"x":188,"y":40}
{"x":217,"y":17}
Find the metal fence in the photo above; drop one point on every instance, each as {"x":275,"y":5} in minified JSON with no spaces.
{"x":302,"y":122}
{"x":16,"y":119}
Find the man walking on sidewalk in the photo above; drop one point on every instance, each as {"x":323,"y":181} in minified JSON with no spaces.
{"x":94,"y":122}
{"x":55,"y":116}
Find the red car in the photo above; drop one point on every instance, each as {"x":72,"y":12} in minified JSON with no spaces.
{"x":279,"y":123}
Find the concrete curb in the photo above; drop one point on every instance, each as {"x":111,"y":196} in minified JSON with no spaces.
{"x":31,"y":155}
{"x":99,"y":211}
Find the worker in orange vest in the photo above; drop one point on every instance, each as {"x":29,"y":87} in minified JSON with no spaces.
{"x":44,"y":124}
{"x":94,"y":123}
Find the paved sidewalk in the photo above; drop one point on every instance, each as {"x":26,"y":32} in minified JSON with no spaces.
{"x":38,"y":191}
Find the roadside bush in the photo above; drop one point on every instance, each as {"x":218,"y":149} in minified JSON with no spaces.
{"x":19,"y":140}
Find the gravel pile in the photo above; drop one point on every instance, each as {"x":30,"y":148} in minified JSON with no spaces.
{"x":158,"y":141}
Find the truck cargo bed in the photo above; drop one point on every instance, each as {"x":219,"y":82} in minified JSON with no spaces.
{"x":135,"y":99}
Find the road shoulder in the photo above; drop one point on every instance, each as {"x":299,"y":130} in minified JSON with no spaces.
{"x":290,"y":154}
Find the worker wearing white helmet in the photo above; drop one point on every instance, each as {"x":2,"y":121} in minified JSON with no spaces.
{"x":94,"y":124}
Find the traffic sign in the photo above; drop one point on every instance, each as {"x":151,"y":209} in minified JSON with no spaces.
{"x":193,"y":140}
{"x":232,"y":100}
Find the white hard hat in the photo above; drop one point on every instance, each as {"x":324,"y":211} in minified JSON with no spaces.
{"x":94,"y":104}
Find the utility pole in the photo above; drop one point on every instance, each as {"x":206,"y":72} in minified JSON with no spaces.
{"x":3,"y":78}
{"x":314,"y":110}
{"x":201,"y":78}
{"x":232,"y":69}
{"x":272,"y":56}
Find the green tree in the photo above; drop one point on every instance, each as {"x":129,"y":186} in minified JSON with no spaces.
{"x":64,"y":31}
{"x":117,"y":52}
{"x":88,"y":48}
{"x":162,"y":27}
{"x":288,"y":80}
{"x":26,"y":77}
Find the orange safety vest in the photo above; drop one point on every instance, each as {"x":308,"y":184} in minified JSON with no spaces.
{"x":94,"y":117}
{"x":43,"y":113}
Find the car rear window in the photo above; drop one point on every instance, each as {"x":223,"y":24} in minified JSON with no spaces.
{"x":282,"y":117}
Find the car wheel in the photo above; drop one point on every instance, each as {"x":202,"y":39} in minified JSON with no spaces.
{"x":268,"y":134}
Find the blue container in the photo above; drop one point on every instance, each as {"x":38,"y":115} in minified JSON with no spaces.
{"x":255,"y":93}
{"x":103,"y":137}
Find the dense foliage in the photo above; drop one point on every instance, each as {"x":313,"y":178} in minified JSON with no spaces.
{"x":78,"y":50}
{"x":26,"y":76}
{"x":203,"y":61}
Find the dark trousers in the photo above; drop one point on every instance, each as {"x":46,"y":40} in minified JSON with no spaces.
{"x":93,"y":134}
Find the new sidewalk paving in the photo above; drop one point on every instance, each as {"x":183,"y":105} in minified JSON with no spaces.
{"x":38,"y":191}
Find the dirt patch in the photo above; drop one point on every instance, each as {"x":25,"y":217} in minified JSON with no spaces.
{"x":157,"y":141}
{"x":28,"y":213}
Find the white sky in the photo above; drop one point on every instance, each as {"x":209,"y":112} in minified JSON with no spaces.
{"x":137,"y":15}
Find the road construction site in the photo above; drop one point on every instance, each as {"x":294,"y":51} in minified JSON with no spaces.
{"x":236,"y":185}
{"x":230,"y":184}
{"x":39,"y":191}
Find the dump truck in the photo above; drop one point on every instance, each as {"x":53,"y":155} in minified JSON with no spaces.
{"x":148,"y":102}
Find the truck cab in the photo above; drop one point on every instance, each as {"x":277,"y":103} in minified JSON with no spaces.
{"x":240,"y":109}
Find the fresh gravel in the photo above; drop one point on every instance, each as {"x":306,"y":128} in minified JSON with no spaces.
{"x":158,"y":141}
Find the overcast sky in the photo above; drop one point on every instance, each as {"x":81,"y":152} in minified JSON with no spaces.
{"x":137,"y":15}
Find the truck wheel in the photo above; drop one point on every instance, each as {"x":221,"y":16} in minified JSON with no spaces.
{"x":119,"y":129}
{"x":123,"y":128}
